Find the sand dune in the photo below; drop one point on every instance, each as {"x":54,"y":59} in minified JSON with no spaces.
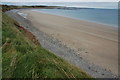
{"x":95,"y":42}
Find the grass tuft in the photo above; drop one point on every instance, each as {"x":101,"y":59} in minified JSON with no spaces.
{"x":22,"y":58}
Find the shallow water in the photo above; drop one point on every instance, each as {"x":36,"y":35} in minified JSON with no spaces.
{"x":102,"y":16}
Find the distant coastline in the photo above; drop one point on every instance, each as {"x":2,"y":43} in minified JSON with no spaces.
{"x":107,"y":5}
{"x":95,"y":15}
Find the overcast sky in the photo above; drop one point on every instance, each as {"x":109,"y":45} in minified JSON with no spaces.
{"x":60,"y":0}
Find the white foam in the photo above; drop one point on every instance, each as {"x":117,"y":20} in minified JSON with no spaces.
{"x":22,"y":14}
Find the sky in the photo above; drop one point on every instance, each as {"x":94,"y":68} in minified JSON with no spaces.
{"x":90,"y":5}
{"x":59,"y":0}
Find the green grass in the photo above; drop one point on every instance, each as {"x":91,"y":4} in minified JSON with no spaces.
{"x":24,"y":59}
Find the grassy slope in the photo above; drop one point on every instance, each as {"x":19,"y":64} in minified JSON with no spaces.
{"x":7,"y":8}
{"x":24,"y":59}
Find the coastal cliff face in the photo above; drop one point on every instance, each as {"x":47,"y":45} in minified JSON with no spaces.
{"x":23,"y":56}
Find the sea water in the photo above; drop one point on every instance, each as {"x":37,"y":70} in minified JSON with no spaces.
{"x":98,"y":12}
{"x":102,"y":16}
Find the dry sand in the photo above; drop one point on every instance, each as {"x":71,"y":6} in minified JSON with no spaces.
{"x":95,"y":42}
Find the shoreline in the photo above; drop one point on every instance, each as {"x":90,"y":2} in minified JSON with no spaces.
{"x":56,"y":46}
{"x":96,"y":22}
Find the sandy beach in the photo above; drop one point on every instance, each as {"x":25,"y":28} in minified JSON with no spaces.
{"x":94,"y":42}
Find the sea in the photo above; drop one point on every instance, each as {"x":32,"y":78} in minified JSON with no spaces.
{"x":102,"y":16}
{"x":98,"y":12}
